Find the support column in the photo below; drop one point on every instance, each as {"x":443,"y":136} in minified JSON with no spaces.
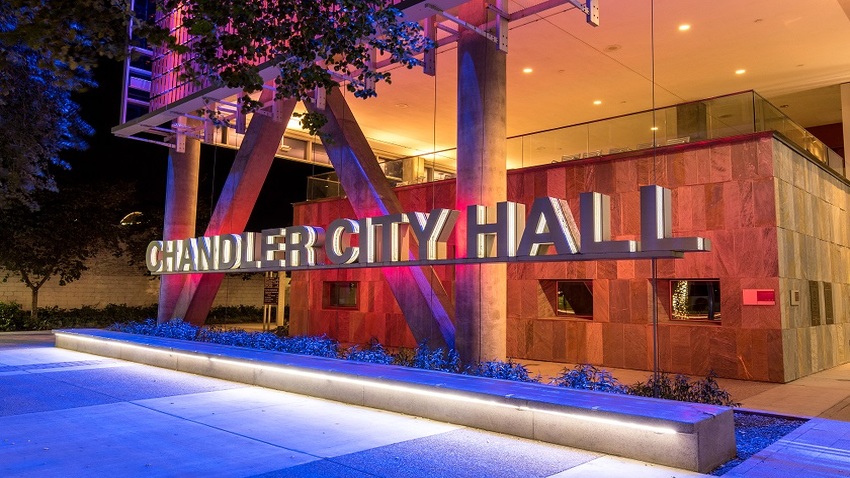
{"x":845,"y":121}
{"x":181,"y":201}
{"x":481,"y":289}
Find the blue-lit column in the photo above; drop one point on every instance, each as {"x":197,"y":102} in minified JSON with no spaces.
{"x":181,"y":200}
{"x":480,"y":290}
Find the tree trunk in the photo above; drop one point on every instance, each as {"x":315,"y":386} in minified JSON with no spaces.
{"x":34,"y":312}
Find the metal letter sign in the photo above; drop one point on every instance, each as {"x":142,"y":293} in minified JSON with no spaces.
{"x":549,"y":233}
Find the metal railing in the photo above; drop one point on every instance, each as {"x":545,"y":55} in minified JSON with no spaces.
{"x":713,"y":118}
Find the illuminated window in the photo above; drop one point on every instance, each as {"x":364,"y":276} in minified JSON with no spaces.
{"x":695,"y":299}
{"x":575,"y":299}
{"x":340,"y":295}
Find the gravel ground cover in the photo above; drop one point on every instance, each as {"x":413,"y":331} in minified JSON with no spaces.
{"x":755,"y":432}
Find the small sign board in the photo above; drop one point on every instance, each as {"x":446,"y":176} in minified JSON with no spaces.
{"x":759,"y":297}
{"x":271,"y":289}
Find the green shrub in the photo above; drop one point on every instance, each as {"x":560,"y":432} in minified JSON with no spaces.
{"x":12,"y":317}
{"x":234,"y":314}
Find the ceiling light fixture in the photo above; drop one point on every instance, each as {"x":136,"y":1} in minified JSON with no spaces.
{"x":527,"y":70}
{"x":740,"y":72}
{"x":684,"y":27}
{"x":654,"y":128}
{"x":597,"y":102}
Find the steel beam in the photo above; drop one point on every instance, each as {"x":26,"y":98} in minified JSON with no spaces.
{"x":418,"y":291}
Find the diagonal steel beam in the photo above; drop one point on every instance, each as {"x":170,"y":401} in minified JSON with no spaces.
{"x":418,"y":291}
{"x":234,"y":206}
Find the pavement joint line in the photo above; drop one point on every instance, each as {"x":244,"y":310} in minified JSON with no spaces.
{"x":62,"y":369}
{"x":230,"y":432}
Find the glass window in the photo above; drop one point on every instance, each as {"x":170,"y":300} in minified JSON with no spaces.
{"x":695,"y":299}
{"x":341,"y":295}
{"x":575,"y":298}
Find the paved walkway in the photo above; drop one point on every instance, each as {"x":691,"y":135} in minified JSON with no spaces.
{"x":69,"y":414}
{"x":65,"y":413}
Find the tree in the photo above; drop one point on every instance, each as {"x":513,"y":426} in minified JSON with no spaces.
{"x":39,"y":121}
{"x":70,"y":227}
{"x":47,"y":51}
{"x":313,"y":44}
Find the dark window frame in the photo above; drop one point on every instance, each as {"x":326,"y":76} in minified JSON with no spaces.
{"x":331,"y":300}
{"x":711,"y":302}
{"x":559,"y":312}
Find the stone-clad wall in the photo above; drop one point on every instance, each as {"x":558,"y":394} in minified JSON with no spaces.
{"x":723,"y":190}
{"x":378,"y":315}
{"x":814,"y":245}
{"x":110,"y":281}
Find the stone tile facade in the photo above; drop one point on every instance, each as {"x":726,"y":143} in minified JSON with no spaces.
{"x":776,"y":221}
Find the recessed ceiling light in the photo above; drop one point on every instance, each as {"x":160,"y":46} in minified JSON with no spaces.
{"x":597,"y":102}
{"x":740,"y":72}
{"x":527,"y":70}
{"x":654,"y":128}
{"x":684,"y":27}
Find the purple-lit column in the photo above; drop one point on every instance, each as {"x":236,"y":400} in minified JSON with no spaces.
{"x":481,"y":301}
{"x":181,"y":200}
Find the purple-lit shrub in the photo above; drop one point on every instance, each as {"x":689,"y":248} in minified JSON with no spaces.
{"x":588,"y":377}
{"x":509,"y":370}
{"x":316,"y":346}
{"x":374,"y":354}
{"x":437,"y":359}
{"x":177,"y":329}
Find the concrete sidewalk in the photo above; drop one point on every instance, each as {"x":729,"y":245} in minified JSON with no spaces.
{"x":64,"y":413}
{"x":69,"y":414}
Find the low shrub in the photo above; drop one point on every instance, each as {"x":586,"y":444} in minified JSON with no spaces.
{"x":581,"y":376}
{"x":12,"y":317}
{"x":322,"y":346}
{"x":680,"y":388}
{"x":509,"y":370}
{"x":234,"y":314}
{"x":374,"y":354}
{"x":436,"y":359}
{"x":588,"y":377}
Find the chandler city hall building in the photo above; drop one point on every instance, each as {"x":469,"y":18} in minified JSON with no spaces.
{"x":740,"y":109}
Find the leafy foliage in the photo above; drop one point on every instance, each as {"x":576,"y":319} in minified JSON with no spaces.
{"x":67,"y":38}
{"x":47,"y":51}
{"x":87,"y":222}
{"x":581,"y":376}
{"x":12,"y":317}
{"x":588,"y":377}
{"x":509,"y":370}
{"x":680,"y":388}
{"x":436,"y":359}
{"x":312,"y":45}
{"x":374,"y":354}
{"x":39,"y":121}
